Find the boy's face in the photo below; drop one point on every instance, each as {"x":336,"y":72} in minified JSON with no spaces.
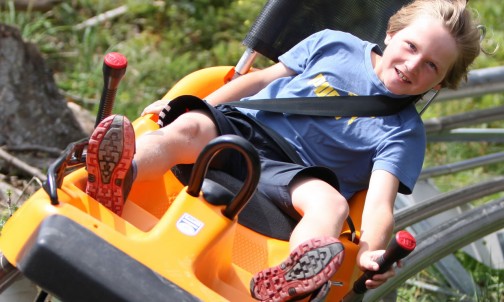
{"x":417,"y":57}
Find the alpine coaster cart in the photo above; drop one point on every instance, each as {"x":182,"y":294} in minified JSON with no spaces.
{"x":194,"y":234}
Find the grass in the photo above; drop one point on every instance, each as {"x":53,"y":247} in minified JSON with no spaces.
{"x":429,"y":285}
{"x":15,"y":199}
{"x":6,"y":213}
{"x":166,"y":40}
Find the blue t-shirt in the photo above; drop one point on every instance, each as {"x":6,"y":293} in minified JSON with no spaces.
{"x":332,"y":63}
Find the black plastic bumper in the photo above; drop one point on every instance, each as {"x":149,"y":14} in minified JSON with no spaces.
{"x":74,"y":264}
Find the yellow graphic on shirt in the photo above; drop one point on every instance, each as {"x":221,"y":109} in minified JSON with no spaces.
{"x":322,"y":88}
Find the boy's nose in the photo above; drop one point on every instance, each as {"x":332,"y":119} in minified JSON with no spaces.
{"x":413,"y":64}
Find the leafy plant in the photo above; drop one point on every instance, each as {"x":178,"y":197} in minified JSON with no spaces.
{"x":7,"y":213}
{"x":14,"y":201}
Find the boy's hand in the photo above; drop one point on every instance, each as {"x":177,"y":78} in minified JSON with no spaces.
{"x":367,"y":261}
{"x":155,"y":108}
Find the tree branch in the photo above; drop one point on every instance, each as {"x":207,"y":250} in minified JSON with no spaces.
{"x":102,"y":17}
{"x":12,"y":160}
{"x":35,"y":148}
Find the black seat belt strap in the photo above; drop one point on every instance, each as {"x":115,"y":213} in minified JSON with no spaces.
{"x":375,"y":105}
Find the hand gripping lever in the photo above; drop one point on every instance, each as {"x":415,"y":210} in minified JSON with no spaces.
{"x":401,"y":246}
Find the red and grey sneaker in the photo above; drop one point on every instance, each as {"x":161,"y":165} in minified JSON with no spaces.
{"x":109,"y":160}
{"x":307,"y":269}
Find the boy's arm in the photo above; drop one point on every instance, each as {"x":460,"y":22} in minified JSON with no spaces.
{"x":243,"y":86}
{"x":377,"y":223}
{"x":248,"y":84}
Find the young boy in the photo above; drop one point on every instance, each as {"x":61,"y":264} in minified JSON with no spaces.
{"x":430,"y":44}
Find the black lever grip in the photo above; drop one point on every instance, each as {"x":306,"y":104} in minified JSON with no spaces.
{"x":401,"y":246}
{"x":114,"y":68}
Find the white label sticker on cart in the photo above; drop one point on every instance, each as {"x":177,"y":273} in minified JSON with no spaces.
{"x":189,"y":225}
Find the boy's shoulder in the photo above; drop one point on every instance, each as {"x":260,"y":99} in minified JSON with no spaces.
{"x":337,"y":36}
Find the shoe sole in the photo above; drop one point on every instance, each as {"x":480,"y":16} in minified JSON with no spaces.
{"x":308,"y":267}
{"x":109,"y":156}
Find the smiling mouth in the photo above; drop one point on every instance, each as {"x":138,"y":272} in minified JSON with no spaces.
{"x":402,"y":76}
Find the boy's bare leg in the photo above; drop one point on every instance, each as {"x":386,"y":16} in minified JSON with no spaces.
{"x":178,"y":143}
{"x":323,"y":210}
{"x":316,"y":253}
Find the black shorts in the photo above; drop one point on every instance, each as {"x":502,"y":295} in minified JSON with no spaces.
{"x":277,"y":169}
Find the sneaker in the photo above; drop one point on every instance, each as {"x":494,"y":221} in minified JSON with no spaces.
{"x":321,"y":293}
{"x":307,"y":269}
{"x":108,"y":161}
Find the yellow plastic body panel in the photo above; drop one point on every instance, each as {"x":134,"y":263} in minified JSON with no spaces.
{"x":215,"y":263}
{"x":202,"y":82}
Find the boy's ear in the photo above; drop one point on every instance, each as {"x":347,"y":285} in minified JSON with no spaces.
{"x":388,"y":37}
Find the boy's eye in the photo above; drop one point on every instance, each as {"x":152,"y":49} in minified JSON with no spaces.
{"x":432,"y":65}
{"x":412,"y":46}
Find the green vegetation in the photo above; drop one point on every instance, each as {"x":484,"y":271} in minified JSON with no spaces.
{"x":163,"y":41}
{"x":5,"y":214}
{"x":166,"y":40}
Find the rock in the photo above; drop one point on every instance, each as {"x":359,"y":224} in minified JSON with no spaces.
{"x":85,"y":119}
{"x":32,"y":111}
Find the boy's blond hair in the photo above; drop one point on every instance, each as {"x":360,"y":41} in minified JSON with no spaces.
{"x":457,"y":20}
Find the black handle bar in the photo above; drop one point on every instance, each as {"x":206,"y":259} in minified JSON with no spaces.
{"x":253,"y":167}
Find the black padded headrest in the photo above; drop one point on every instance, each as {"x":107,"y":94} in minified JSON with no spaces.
{"x":284,"y":23}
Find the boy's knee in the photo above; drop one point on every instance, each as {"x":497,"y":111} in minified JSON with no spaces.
{"x":311,"y":193}
{"x":345,"y":207}
{"x":194,"y":124}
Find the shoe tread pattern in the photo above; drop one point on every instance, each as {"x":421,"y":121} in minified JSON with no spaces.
{"x":308,"y":267}
{"x":110,"y":152}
